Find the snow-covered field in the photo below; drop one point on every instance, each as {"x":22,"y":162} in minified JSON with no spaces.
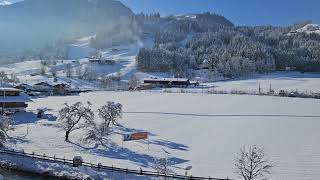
{"x":205,"y":131}
{"x":290,"y":81}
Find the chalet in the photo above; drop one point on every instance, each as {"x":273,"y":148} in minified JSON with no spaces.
{"x":24,"y":87}
{"x":94,"y":60}
{"x":43,"y":87}
{"x":167,"y":82}
{"x":13,"y":100}
{"x":103,"y":61}
{"x":61,"y":89}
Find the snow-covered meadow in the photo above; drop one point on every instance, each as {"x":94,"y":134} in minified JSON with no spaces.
{"x":289,"y":81}
{"x":201,"y":130}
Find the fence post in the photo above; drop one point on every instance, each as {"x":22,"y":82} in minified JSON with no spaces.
{"x":140,"y":171}
{"x":99,"y":164}
{"x":112,"y":168}
{"x":209,"y":177}
{"x":32,"y":154}
{"x":64,"y":160}
{"x":54,"y":157}
{"x":126,"y":170}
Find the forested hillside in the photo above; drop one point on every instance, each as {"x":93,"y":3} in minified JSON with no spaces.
{"x":208,"y":41}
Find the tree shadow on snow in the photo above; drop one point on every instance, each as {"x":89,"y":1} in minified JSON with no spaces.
{"x":125,"y":130}
{"x":18,"y":140}
{"x":159,"y":142}
{"x":168,"y":144}
{"x":115,"y":151}
{"x":31,"y":117}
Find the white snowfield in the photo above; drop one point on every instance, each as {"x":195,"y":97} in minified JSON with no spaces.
{"x":64,"y":171}
{"x":290,"y":81}
{"x":201,"y":130}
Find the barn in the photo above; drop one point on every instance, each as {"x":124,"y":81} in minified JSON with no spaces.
{"x":168,"y":82}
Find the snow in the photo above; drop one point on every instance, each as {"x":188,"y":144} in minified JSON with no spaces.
{"x":124,"y":55}
{"x":61,"y":170}
{"x":290,"y":81}
{"x":21,"y":98}
{"x":310,"y":28}
{"x":5,"y":3}
{"x":80,"y":49}
{"x":201,"y":130}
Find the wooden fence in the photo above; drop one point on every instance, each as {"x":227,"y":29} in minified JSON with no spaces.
{"x":101,"y":167}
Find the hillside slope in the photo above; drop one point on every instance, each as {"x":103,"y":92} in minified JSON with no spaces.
{"x":34,"y":23}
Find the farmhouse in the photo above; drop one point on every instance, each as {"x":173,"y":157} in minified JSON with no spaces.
{"x":42,"y":87}
{"x":167,"y":82}
{"x":13,"y":100}
{"x":102,"y":61}
{"x":61,"y":89}
{"x":24,"y":87}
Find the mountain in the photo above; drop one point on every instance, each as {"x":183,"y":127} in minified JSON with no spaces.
{"x":310,"y":28}
{"x":34,"y":23}
{"x":5,"y":3}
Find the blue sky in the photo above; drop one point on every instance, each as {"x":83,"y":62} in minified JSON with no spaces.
{"x":241,"y":12}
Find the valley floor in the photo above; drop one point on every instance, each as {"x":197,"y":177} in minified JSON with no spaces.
{"x":201,"y":130}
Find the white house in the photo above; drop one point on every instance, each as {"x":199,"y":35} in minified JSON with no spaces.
{"x":13,"y":100}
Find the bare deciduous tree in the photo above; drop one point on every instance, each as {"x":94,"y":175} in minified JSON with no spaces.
{"x":110,"y":113}
{"x":162,"y":165}
{"x":106,"y":82}
{"x":6,"y":125}
{"x":4,"y":77}
{"x":43,"y":69}
{"x":98,"y":133}
{"x":134,"y":82}
{"x":68,"y":70}
{"x":70,"y":117}
{"x":252,"y":163}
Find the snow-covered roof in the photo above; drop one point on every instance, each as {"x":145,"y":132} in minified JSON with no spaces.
{"x":43,"y":84}
{"x":21,"y":98}
{"x":166,"y":79}
{"x":10,"y":89}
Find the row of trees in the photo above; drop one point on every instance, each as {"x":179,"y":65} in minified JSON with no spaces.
{"x":8,"y":78}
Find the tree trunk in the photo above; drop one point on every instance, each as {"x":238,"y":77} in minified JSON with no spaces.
{"x":67,"y":136}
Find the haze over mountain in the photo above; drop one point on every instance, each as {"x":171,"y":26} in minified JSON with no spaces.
{"x":33,"y":23}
